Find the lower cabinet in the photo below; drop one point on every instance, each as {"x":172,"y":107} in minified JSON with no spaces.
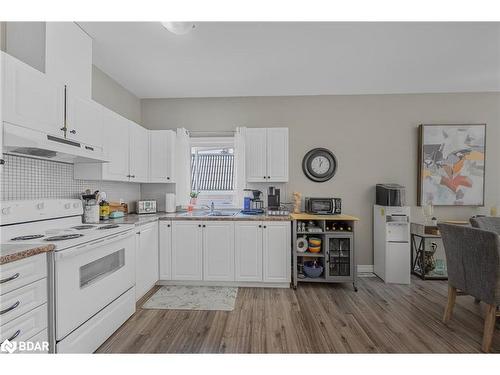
{"x":276,"y":252}
{"x":146,"y":258}
{"x":187,"y":254}
{"x":165,"y":247}
{"x":218,"y":251}
{"x":225,"y":251}
{"x":248,"y":251}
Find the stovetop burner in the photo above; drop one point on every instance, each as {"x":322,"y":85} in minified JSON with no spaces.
{"x":82,"y":227}
{"x":63,"y":237}
{"x":109,"y":226}
{"x":27,"y":237}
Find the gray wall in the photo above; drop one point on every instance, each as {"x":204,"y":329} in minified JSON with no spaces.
{"x":373,"y":136}
{"x":109,"y":93}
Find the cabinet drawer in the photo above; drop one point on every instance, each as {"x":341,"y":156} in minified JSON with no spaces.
{"x":25,"y":326}
{"x":22,"y":300}
{"x":38,"y":344}
{"x":22,"y":272}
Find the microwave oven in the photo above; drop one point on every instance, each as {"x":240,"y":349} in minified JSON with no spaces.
{"x":323,"y":206}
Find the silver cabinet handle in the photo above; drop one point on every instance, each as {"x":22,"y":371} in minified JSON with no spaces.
{"x":133,"y":176}
{"x":14,"y":335}
{"x":5,"y":311}
{"x":13,"y":277}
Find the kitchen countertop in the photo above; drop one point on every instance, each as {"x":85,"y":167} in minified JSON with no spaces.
{"x":339,"y":217}
{"x":12,"y":252}
{"x":148,"y":218}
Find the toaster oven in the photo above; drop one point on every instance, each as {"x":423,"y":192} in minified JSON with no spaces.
{"x":323,"y":206}
{"x":146,"y":207}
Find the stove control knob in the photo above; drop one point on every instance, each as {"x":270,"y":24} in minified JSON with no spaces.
{"x":76,"y":205}
{"x":5,"y":210}
{"x":39,"y":206}
{"x":67,"y":206}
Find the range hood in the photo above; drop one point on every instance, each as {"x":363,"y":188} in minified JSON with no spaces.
{"x":27,"y":142}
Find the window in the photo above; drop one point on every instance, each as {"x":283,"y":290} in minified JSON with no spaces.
{"x":212,"y":171}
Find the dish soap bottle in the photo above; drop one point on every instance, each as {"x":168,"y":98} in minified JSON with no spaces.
{"x":104,"y":210}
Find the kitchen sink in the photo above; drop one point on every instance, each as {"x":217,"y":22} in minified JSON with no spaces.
{"x":209,"y":213}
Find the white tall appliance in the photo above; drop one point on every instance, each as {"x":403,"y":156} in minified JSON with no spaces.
{"x":391,"y":243}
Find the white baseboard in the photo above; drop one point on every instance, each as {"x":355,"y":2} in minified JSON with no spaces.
{"x":365,"y":268}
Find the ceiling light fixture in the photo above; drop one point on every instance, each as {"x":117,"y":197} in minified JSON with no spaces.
{"x":178,"y":28}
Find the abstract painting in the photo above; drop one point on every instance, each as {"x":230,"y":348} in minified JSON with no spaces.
{"x":451,"y":165}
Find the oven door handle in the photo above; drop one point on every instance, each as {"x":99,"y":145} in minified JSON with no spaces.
{"x":77,"y":250}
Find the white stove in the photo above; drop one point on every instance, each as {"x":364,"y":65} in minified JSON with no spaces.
{"x":54,"y":221}
{"x":94,"y":268}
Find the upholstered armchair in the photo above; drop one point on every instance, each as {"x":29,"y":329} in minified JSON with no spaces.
{"x":473,"y":261}
{"x":487,"y":223}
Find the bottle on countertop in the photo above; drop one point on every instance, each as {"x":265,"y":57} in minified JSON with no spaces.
{"x":104,"y":210}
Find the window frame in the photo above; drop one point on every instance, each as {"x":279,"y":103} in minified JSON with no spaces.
{"x":215,"y":143}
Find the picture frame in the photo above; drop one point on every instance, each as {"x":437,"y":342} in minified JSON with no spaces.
{"x":451,"y":164}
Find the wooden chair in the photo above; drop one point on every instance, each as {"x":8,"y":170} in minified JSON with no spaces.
{"x":473,"y":262}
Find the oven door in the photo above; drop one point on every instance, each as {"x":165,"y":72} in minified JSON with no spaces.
{"x":91,"y":276}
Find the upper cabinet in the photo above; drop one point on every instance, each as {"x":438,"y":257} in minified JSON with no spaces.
{"x":30,"y":99}
{"x":68,"y":56}
{"x":84,"y":120}
{"x":162,"y":155}
{"x":266,"y":153}
{"x":138,"y":153}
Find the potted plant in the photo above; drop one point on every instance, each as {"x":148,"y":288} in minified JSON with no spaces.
{"x":194,"y":198}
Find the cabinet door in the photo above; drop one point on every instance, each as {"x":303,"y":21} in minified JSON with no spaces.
{"x":161,"y":155}
{"x":116,"y":147}
{"x":276,"y":251}
{"x":248,"y":250}
{"x":165,"y":250}
{"x":277,"y":154}
{"x":218,"y":251}
{"x":187,"y":250}
{"x":146,"y":259}
{"x":30,"y":99}
{"x":68,"y":56}
{"x":255,"y":155}
{"x":83,"y":119}
{"x":138,"y":153}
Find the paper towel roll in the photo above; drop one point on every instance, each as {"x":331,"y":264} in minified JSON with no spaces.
{"x":170,"y":202}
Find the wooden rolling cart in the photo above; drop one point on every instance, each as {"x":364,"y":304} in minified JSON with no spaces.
{"x":337,"y":255}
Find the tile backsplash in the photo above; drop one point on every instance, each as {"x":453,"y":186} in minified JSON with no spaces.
{"x":27,"y":178}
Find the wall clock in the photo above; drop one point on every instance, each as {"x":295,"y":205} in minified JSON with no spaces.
{"x":319,"y":165}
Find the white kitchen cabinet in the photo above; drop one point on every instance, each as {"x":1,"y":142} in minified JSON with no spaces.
{"x":138,"y":153}
{"x":30,"y":99}
{"x":84,"y":119}
{"x":115,"y":135}
{"x":165,"y":247}
{"x":68,"y":57}
{"x":248,"y":250}
{"x":187,"y":252}
{"x":161,"y":155}
{"x":218,"y":250}
{"x":146,"y":258}
{"x":276,"y":251}
{"x":255,"y":154}
{"x":266,"y":153}
{"x":277,"y":154}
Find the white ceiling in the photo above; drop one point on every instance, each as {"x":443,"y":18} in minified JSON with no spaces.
{"x":278,"y":58}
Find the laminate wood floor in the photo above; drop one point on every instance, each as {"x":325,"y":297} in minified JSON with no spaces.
{"x":315,"y":318}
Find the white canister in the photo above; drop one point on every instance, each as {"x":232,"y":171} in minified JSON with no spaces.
{"x":170,"y":203}
{"x":91,"y":213}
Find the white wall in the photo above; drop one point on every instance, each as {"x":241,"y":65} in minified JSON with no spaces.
{"x":109,"y":93}
{"x":373,"y":136}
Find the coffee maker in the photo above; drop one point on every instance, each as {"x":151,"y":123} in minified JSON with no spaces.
{"x":273,"y":198}
{"x":256,"y":203}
